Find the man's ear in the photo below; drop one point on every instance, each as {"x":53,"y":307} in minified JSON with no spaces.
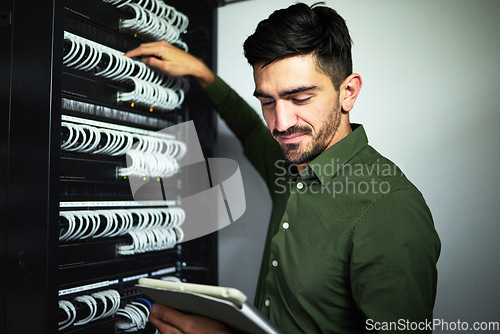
{"x":349,"y":91}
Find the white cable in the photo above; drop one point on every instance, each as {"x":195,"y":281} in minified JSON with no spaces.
{"x":67,"y":142}
{"x":70,"y":311}
{"x":107,"y":215}
{"x":148,"y":93}
{"x":115,"y":299}
{"x":89,"y":139}
{"x":63,"y":236}
{"x":109,"y":308}
{"x":147,"y":23}
{"x":81,"y":229}
{"x":93,"y":140}
{"x":92,"y":304}
{"x":102,"y":298}
{"x":149,"y":165}
{"x":72,"y":140}
{"x":155,"y":229}
{"x":136,"y":316}
{"x":90,"y":216}
{"x":114,"y":227}
{"x":87,"y":55}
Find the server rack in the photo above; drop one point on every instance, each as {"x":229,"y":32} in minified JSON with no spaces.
{"x":40,"y":181}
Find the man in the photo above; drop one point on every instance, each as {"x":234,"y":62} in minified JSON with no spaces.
{"x":351,"y":245}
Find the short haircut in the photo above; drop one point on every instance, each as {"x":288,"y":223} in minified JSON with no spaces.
{"x":301,"y":30}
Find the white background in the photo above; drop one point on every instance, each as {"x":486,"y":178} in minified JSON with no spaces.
{"x":429,"y":103}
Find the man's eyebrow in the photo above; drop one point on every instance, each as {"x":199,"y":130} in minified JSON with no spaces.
{"x":296,"y":90}
{"x":286,"y":92}
{"x":260,"y":94}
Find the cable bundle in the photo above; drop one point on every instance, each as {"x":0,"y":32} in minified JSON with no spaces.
{"x":144,"y":164}
{"x":97,"y":140}
{"x":109,"y":300}
{"x":154,"y":20}
{"x":150,"y":235}
{"x":152,"y":240}
{"x":151,"y":154}
{"x":152,"y":87}
{"x":135,"y":315}
{"x":84,"y":224}
{"x":152,"y":94}
{"x":150,"y":26}
{"x":88,"y":139}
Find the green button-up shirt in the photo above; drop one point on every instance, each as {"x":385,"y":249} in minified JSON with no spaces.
{"x":351,"y":245}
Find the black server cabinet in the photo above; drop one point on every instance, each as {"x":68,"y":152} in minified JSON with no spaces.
{"x":42,"y":184}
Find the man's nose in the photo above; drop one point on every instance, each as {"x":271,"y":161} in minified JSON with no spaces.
{"x":285,"y":118}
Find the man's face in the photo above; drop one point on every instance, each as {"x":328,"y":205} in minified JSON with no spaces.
{"x":300,"y":106}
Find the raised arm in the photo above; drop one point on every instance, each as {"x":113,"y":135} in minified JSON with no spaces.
{"x":259,"y":146}
{"x":174,"y":61}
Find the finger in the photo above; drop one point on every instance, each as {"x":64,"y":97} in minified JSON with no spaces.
{"x":141,"y":51}
{"x":185,"y":323}
{"x":147,"y":49}
{"x":163,"y":327}
{"x":169,"y":315}
{"x":154,"y":62}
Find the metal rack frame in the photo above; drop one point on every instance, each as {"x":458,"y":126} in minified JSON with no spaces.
{"x":31,"y":86}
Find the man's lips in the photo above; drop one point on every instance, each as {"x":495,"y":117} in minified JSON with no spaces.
{"x":290,"y":139}
{"x":292,"y":135}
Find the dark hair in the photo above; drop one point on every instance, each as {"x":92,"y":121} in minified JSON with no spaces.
{"x":302,"y":30}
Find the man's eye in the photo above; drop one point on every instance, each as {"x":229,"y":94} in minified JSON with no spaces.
{"x":301,"y":100}
{"x":266,"y":103}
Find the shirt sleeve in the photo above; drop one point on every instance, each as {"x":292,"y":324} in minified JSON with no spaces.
{"x":394,"y":253}
{"x":259,"y":146}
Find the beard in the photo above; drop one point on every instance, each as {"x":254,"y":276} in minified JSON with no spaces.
{"x":294,"y":154}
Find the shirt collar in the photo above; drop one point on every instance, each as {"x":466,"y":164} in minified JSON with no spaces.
{"x":327,"y":164}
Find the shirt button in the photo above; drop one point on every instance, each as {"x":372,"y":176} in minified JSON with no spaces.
{"x":300,"y":185}
{"x":267,"y":302}
{"x":275,"y":263}
{"x":286,"y":225}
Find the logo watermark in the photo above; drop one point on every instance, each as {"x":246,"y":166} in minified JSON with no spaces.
{"x":351,"y":178}
{"x":171,"y":167}
{"x":431,"y":325}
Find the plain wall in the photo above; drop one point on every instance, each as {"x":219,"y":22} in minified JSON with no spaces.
{"x":429,"y":103}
